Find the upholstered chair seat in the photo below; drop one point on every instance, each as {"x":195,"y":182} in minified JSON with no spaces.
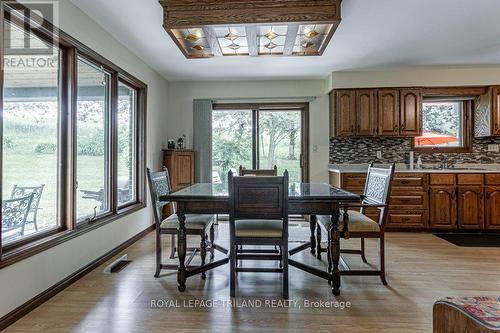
{"x":357,"y":222}
{"x":259,"y":228}
{"x":193,"y":221}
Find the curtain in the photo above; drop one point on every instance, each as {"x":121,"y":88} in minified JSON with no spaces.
{"x":202,"y":137}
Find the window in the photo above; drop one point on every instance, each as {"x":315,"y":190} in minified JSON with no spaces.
{"x":445,"y":125}
{"x":72,"y":126}
{"x":93,"y":141}
{"x":30,"y":140}
{"x":127,"y":141}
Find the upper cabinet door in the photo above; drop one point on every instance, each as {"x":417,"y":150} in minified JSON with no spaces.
{"x":345,"y":113}
{"x":495,"y":112}
{"x":388,"y":112}
{"x":411,"y":112}
{"x":366,"y":112}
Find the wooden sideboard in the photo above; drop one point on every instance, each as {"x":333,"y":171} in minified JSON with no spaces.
{"x":436,"y":201}
{"x":180,"y":165}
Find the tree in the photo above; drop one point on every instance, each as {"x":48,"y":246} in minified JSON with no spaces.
{"x":277,"y":126}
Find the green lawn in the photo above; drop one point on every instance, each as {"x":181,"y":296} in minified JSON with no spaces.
{"x":36,"y":169}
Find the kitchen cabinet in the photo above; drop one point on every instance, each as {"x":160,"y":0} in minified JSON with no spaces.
{"x":390,"y":112}
{"x":345,"y":113}
{"x":470,"y":207}
{"x":492,"y":207}
{"x":487,"y":113}
{"x":366,"y":113}
{"x":432,"y":201}
{"x":443,"y":207}
{"x":410,"y":112}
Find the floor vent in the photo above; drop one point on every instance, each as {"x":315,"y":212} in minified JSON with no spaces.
{"x":117,"y":265}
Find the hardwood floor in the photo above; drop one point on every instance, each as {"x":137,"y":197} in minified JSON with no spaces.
{"x":420,"y":269}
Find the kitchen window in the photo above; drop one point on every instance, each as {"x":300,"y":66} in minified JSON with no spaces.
{"x":446,"y":126}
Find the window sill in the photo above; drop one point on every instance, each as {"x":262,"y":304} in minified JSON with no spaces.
{"x":22,"y":252}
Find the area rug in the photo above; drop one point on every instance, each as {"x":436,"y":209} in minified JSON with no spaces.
{"x":471,"y":240}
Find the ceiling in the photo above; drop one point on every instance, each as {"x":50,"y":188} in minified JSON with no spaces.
{"x":374,"y":34}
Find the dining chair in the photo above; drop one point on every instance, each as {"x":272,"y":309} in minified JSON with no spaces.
{"x":24,"y":191}
{"x":376,"y":195}
{"x":258,"y":172}
{"x":258,"y":215}
{"x":196,"y":224}
{"x":14,"y":215}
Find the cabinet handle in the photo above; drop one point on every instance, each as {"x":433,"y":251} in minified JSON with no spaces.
{"x":481,"y":195}
{"x":405,"y":182}
{"x":396,"y":127}
{"x":403,"y":126}
{"x":496,"y":127}
{"x":454,"y":194}
{"x":488,"y":195}
{"x":359,"y":128}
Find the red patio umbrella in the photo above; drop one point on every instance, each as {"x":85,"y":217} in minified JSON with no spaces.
{"x":434,"y":139}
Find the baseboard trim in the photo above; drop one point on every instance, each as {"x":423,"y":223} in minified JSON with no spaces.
{"x":41,"y":298}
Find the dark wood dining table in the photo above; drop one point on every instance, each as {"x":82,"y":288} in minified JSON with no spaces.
{"x":304,"y":199}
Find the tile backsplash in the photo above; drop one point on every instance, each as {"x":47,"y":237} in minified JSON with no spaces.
{"x":396,"y":150}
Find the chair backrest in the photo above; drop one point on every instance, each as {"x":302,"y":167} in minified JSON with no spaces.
{"x":24,"y":191}
{"x":159,"y":184}
{"x":258,"y":197}
{"x":259,"y":172}
{"x":15,"y":213}
{"x":378,"y":187}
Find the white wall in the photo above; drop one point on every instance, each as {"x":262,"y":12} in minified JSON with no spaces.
{"x":182,"y":94}
{"x":428,"y":77}
{"x":24,"y":280}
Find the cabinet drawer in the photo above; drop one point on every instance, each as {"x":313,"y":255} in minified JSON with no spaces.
{"x":410,"y":180}
{"x":470,"y":179}
{"x":407,"y":219}
{"x":442,"y":179}
{"x":354,"y":180}
{"x":493,"y":179}
{"x":415,"y":199}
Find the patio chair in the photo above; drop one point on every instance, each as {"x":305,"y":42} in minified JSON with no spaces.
{"x":23,"y":191}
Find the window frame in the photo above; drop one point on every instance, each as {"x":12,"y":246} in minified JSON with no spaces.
{"x":71,"y":49}
{"x":467,"y":107}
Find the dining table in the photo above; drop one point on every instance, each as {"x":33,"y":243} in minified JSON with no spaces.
{"x":303,"y":199}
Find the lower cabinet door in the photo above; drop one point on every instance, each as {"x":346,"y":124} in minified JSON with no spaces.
{"x":471,"y":207}
{"x":443,"y":207}
{"x":492,"y":207}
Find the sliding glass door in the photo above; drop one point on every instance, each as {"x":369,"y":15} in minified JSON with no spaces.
{"x":280,"y":142}
{"x":232,"y":142}
{"x":259,"y":137}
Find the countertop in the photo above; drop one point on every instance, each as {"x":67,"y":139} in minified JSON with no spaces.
{"x":462,"y":168}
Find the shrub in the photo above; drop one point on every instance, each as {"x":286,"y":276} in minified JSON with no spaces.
{"x":45,"y":148}
{"x":90,"y":143}
{"x":8,"y":142}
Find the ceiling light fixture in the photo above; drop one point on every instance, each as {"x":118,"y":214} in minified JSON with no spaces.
{"x":231,"y":36}
{"x":234,"y":46}
{"x":192,"y":37}
{"x":271,"y":35}
{"x":270,"y":45}
{"x":260,"y":27}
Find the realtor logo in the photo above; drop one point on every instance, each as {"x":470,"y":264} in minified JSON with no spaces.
{"x":27,"y":19}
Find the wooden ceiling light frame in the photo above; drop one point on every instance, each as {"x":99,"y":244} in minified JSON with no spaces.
{"x":207,"y":14}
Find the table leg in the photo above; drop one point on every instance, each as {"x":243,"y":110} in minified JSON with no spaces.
{"x":334,"y":247}
{"x":312,"y":225}
{"x":181,"y":251}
